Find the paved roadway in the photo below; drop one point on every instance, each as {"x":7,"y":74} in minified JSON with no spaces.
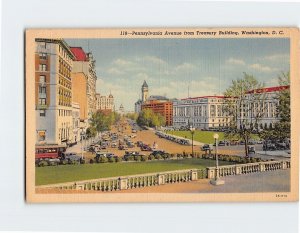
{"x":149,"y":137}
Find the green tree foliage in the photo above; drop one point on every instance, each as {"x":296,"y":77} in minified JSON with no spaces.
{"x":101,"y":121}
{"x":148,"y":118}
{"x":244,"y":111}
{"x":132,"y":116}
{"x":91,"y":132}
{"x":282,"y":129}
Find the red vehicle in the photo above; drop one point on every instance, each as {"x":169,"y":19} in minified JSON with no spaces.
{"x":49,"y":151}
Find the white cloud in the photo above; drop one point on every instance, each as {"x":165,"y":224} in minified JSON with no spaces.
{"x":155,"y":60}
{"x":262,"y":68}
{"x":184,"y":67}
{"x":114,"y":71}
{"x":122,"y":62}
{"x":277,"y":57}
{"x":235,"y":61}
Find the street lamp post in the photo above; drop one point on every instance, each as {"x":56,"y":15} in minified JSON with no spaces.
{"x":192,"y":129}
{"x":81,"y":137}
{"x":217,"y":180}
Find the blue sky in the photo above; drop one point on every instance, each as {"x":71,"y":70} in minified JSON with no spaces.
{"x":172,"y":66}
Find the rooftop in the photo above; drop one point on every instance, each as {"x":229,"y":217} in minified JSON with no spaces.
{"x":145,"y":84}
{"x":79,"y":54}
{"x":62,"y":42}
{"x":157,"y":97}
{"x":269,"y":89}
{"x":205,"y":97}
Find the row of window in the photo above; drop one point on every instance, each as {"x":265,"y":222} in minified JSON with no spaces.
{"x":64,"y":101}
{"x":63,"y":53}
{"x":64,"y":82}
{"x":62,"y":112}
{"x":64,"y":68}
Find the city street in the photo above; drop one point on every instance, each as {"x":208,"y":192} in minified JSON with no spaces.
{"x":149,"y":137}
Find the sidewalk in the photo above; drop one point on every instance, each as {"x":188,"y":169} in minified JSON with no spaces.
{"x":272,"y":181}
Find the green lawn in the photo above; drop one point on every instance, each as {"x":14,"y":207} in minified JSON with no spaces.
{"x":68,"y":173}
{"x":200,"y":136}
{"x":203,"y":136}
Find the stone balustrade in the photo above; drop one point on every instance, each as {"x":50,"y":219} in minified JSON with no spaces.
{"x":239,"y":169}
{"x":178,"y":176}
{"x":132,"y":182}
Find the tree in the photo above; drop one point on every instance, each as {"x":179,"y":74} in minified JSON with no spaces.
{"x":244,"y":105}
{"x":282,"y":128}
{"x":101,"y":121}
{"x":91,"y":132}
{"x":283,"y":110}
{"x":148,"y":118}
{"x":132,"y":116}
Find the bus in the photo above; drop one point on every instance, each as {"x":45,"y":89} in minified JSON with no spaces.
{"x":49,"y":151}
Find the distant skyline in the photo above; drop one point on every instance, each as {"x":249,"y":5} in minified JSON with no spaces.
{"x":172,"y":66}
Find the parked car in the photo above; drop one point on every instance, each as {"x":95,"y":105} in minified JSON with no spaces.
{"x":222,"y":143}
{"x":251,"y":149}
{"x":71,"y":158}
{"x":130,"y":144}
{"x":122,"y":147}
{"x":268,"y":145}
{"x":113,"y":145}
{"x":139,"y":143}
{"x":146,"y":148}
{"x":207,"y":147}
{"x":157,"y":152}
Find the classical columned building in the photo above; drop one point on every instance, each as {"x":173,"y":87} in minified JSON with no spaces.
{"x":202,"y":112}
{"x":260,"y":106}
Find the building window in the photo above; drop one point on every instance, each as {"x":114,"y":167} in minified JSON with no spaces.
{"x":42,"y":78}
{"x":43,"y":67}
{"x":42,"y":101}
{"x":42,"y":90}
{"x":42,"y":113}
{"x":41,"y":136}
{"x":43,"y":56}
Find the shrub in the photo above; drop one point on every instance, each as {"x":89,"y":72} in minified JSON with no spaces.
{"x":151,"y":157}
{"x":91,"y":161}
{"x":179,"y":156}
{"x":166,"y":156}
{"x":185,"y":155}
{"x":129,"y":158}
{"x":158,"y":156}
{"x":43,"y":163}
{"x":111,"y":160}
{"x":137,"y":158}
{"x":63,"y":162}
{"x":118,"y":159}
{"x":103,"y":160}
{"x":226,"y":158}
{"x":144,"y":158}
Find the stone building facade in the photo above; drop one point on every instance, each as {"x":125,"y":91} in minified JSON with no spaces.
{"x":53,"y":91}
{"x":204,"y":112}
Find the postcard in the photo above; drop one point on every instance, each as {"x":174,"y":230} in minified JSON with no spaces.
{"x":162,"y":115}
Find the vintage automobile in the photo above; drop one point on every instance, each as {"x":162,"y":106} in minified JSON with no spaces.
{"x":71,"y":158}
{"x":251,"y":150}
{"x":207,"y":147}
